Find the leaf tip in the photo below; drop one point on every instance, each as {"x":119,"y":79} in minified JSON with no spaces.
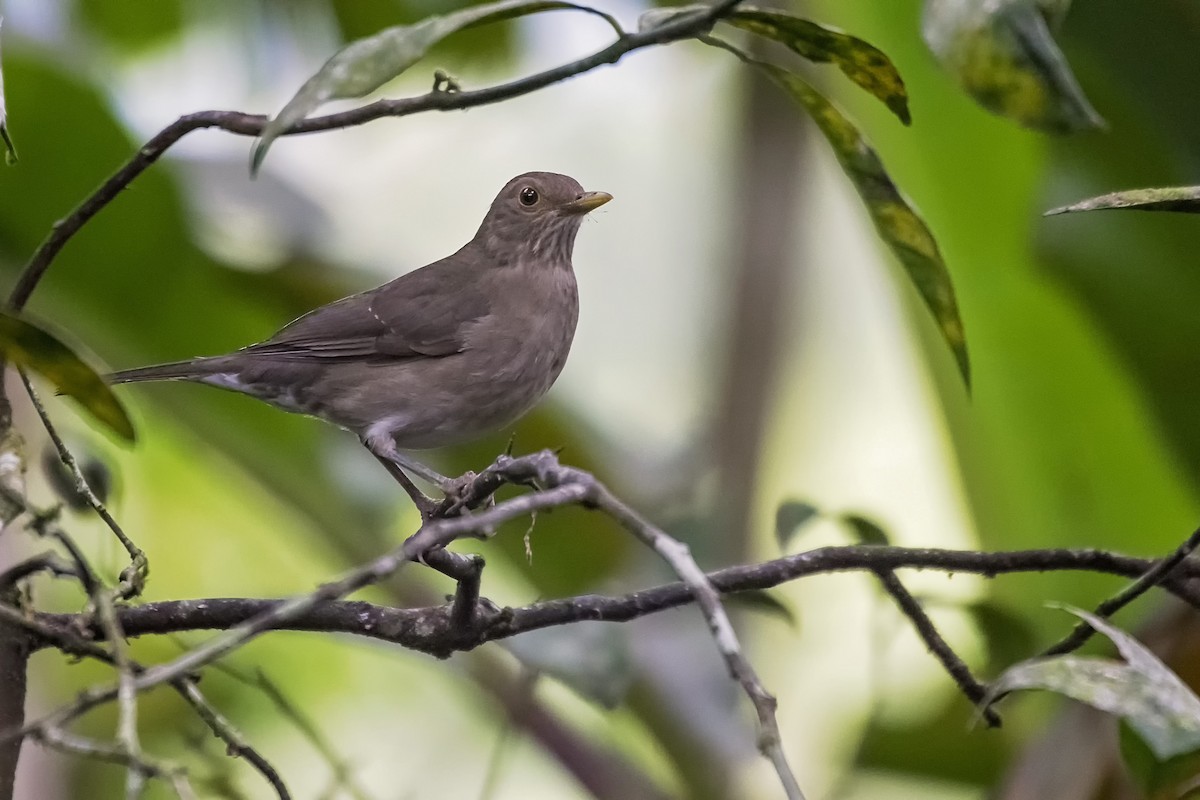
{"x":258,"y":151}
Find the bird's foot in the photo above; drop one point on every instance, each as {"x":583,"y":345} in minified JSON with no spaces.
{"x":458,"y":493}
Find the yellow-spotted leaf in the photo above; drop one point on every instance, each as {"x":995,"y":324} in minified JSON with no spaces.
{"x":364,"y":65}
{"x":1002,"y":53}
{"x":861,"y":62}
{"x":1184,"y":199}
{"x":29,"y":346}
{"x":897,"y":223}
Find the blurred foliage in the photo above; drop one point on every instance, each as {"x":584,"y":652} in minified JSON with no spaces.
{"x":1003,"y":53}
{"x":131,"y":25}
{"x":32,"y":347}
{"x":1081,"y":429}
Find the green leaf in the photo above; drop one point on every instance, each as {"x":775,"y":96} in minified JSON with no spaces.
{"x":1158,"y":780}
{"x":1143,"y":691}
{"x":1002,"y":53}
{"x":900,"y":227}
{"x":10,"y":151}
{"x":590,"y":657}
{"x":789,"y":518}
{"x":1185,"y":199}
{"x":27,"y":345}
{"x":132,"y":25}
{"x":861,"y":62}
{"x":364,"y":65}
{"x":866,"y":531}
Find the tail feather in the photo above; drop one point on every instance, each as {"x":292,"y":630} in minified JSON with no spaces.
{"x":191,"y":370}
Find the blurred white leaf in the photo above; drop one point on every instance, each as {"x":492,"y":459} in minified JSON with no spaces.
{"x":1143,"y":691}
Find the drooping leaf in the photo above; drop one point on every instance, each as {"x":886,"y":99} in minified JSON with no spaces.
{"x":897,"y":223}
{"x":861,"y":62}
{"x":1143,"y":691}
{"x":10,"y":151}
{"x":590,"y":657}
{"x":789,"y":518}
{"x":27,"y":345}
{"x":1184,"y":199}
{"x":364,"y":65}
{"x":1002,"y":53}
{"x":866,"y":531}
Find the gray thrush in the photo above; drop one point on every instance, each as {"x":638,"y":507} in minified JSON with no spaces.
{"x":443,"y":354}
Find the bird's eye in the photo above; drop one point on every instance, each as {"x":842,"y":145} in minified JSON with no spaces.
{"x":529,"y":196}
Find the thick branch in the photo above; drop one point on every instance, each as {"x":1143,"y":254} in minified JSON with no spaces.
{"x":15,"y":647}
{"x":433,"y":631}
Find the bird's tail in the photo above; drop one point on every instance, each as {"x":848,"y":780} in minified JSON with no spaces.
{"x":190,"y":370}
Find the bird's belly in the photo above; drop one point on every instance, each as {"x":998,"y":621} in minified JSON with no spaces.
{"x":436,"y":402}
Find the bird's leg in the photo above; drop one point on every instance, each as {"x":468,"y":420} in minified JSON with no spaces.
{"x":425,"y":504}
{"x":396,"y":463}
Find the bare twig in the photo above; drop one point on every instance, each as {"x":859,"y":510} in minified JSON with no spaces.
{"x":938,"y":646}
{"x":1147,"y":581}
{"x":435,"y":630}
{"x":235,"y":742}
{"x":67,"y":639}
{"x":127,"y":700}
{"x":133,"y":577}
{"x":60,"y":739}
{"x":343,"y":776}
{"x":48,"y":562}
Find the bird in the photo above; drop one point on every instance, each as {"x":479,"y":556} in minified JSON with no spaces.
{"x":441,"y":355}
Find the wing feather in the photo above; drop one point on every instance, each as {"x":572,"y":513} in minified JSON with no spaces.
{"x":424,"y":314}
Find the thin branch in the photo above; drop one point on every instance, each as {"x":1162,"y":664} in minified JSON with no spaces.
{"x":127,"y":700}
{"x":134,"y":576}
{"x":67,"y":639}
{"x":48,"y":562}
{"x":1154,"y":576}
{"x":938,"y":646}
{"x":679,"y":557}
{"x":235,"y":742}
{"x":343,"y":776}
{"x":435,"y":630}
{"x":117,"y":754}
{"x":683,"y":27}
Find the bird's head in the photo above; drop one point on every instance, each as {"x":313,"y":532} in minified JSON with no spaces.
{"x":536,"y":217}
